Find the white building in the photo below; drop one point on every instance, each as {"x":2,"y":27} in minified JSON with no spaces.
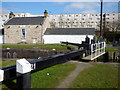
{"x":1,"y":36}
{"x":84,"y":20}
{"x":74,"y":35}
{"x":81,"y":20}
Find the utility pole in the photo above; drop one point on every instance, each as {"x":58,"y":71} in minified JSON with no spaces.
{"x":101,"y":38}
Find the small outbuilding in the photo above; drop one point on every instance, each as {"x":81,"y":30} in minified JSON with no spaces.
{"x":74,"y":35}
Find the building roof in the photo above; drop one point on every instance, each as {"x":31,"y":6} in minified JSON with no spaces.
{"x":26,"y":21}
{"x":70,"y":31}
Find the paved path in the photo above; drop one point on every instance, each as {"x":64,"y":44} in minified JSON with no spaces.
{"x":80,"y":66}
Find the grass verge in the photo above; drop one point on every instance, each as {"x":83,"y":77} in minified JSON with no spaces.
{"x":56,"y":74}
{"x":110,"y":49}
{"x":98,"y":76}
{"x":7,"y":63}
{"x":42,"y":79}
{"x":47,"y":46}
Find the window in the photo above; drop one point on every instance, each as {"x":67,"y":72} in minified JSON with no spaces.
{"x":75,"y":19}
{"x":113,"y":14}
{"x":23,"y":33}
{"x":98,"y":18}
{"x":107,"y":14}
{"x":83,"y":19}
{"x":90,"y":26}
{"x":75,"y":26}
{"x":90,"y":18}
{"x":76,"y":15}
{"x":53,"y":19}
{"x":82,"y":25}
{"x":96,"y":15}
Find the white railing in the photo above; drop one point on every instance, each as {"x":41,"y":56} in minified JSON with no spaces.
{"x":97,"y":49}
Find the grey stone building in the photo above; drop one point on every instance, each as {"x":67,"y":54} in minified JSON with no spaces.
{"x":25,"y":29}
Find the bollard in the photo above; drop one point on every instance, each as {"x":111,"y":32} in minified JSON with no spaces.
{"x":23,"y":69}
{"x":114,"y":57}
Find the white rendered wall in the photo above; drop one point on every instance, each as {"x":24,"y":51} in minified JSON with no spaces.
{"x":54,"y":39}
{"x":1,"y":39}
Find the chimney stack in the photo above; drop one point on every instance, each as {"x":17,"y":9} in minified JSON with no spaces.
{"x":45,"y":13}
{"x":11,"y":14}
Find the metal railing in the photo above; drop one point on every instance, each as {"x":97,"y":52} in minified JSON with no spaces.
{"x":97,"y":49}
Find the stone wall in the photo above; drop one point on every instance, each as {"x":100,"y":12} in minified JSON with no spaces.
{"x":13,"y":33}
{"x":29,"y":53}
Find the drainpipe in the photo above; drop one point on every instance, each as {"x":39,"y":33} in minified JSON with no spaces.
{"x":42,"y":34}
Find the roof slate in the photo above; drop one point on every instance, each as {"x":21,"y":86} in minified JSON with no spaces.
{"x":26,"y":21}
{"x":70,"y":31}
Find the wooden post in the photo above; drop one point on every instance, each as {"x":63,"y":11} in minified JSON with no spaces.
{"x":106,"y":57}
{"x":114,"y":57}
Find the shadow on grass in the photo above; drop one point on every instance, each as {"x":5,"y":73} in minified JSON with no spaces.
{"x":9,"y":84}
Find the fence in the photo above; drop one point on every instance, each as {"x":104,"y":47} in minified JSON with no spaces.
{"x":23,"y":69}
{"x":97,"y":49}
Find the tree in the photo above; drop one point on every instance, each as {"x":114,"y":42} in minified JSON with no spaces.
{"x":113,"y":28}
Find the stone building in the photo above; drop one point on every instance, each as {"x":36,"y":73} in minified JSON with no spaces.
{"x":25,"y":29}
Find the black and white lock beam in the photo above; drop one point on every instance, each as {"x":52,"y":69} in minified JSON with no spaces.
{"x":1,"y":76}
{"x":23,"y":69}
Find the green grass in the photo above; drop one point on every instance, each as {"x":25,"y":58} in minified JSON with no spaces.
{"x":40,"y":79}
{"x":98,"y":76}
{"x":110,"y":49}
{"x":7,"y":63}
{"x":56,"y":74}
{"x":48,"y":46}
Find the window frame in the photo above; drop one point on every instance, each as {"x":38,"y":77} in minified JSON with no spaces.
{"x":22,"y":33}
